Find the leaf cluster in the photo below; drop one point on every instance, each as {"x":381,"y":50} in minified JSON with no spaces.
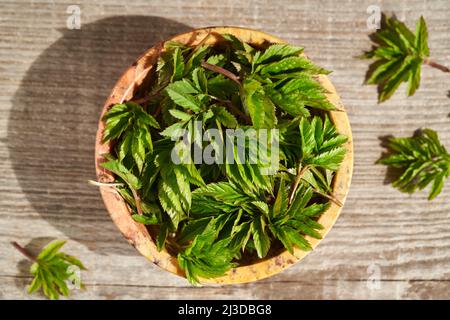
{"x":421,"y":159}
{"x":53,"y":270}
{"x":215,"y":215}
{"x":399,"y":54}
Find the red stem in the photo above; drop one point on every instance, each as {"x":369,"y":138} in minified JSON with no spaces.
{"x":226,"y":73}
{"x":436,"y":65}
{"x":24,"y":251}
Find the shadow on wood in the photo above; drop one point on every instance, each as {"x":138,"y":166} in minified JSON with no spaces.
{"x":52,"y":125}
{"x":392,"y":173}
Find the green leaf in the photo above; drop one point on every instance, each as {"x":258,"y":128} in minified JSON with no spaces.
{"x":394,"y":82}
{"x":291,"y":103}
{"x":168,"y":197}
{"x":203,"y":206}
{"x":437,"y":186}
{"x":297,"y":239}
{"x":50,"y":250}
{"x":241,"y":235}
{"x":181,"y":94}
{"x":175,"y":131}
{"x":224,"y":117}
{"x":199,"y":79}
{"x":115,"y":127}
{"x":329,"y":159}
{"x":125,"y":145}
{"x":280,"y":204}
{"x":398,"y":55}
{"x":145,"y":219}
{"x":137,"y":148}
{"x":147,"y":119}
{"x":207,"y":256}
{"x":422,"y":160}
{"x":280,"y":234}
{"x":117,"y":111}
{"x":223,"y":191}
{"x":35,"y":285}
{"x":293,"y":95}
{"x":51,"y":270}
{"x":308,"y":142}
{"x":180,"y":115}
{"x":119,"y":169}
{"x":192,"y":229}
{"x":290,"y":65}
{"x":261,"y":206}
{"x":259,"y":106}
{"x":277,"y":52}
{"x":222,"y":87}
{"x":178,"y":64}
{"x":196,"y":57}
{"x":71,"y":260}
{"x":414,"y":77}
{"x":384,"y":71}
{"x":421,"y":38}
{"x":260,"y":237}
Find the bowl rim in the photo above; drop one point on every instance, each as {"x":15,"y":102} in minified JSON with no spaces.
{"x":137,"y":233}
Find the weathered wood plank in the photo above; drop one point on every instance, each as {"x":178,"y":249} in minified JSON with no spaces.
{"x":53,"y":82}
{"x":328,"y":289}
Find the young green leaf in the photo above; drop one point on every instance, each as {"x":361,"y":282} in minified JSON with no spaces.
{"x":207,"y":256}
{"x":224,"y":117}
{"x":278,"y":52}
{"x":260,"y":237}
{"x":53,"y":270}
{"x":258,"y":105}
{"x":399,"y":54}
{"x":422,"y":160}
{"x":178,"y":64}
{"x":119,"y":169}
{"x":181,"y":92}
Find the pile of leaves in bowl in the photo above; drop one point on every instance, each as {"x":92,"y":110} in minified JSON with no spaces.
{"x":217,"y":216}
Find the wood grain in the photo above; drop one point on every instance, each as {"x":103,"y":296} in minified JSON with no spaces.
{"x":53,"y":82}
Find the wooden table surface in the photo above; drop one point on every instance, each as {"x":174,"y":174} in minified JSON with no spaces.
{"x":53,"y":82}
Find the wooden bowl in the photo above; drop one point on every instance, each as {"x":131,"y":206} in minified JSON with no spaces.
{"x":137,"y":233}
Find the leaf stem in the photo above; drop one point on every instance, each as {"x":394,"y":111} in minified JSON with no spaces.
{"x":24,"y":251}
{"x":147,"y":98}
{"x":329,"y":197}
{"x":297,"y":180}
{"x":137,"y":199}
{"x":234,"y":109}
{"x":230,"y":75}
{"x":104,"y":184}
{"x":436,"y":65}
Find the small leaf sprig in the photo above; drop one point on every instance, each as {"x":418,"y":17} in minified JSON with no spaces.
{"x":212,"y":217}
{"x":399,"y":54}
{"x":52,"y":270}
{"x":422,"y":159}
